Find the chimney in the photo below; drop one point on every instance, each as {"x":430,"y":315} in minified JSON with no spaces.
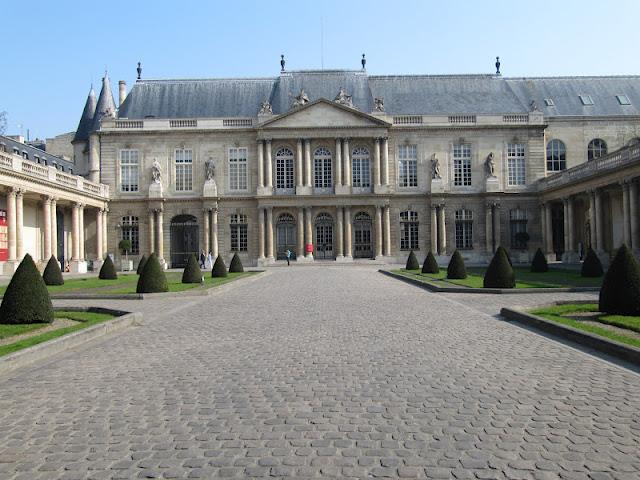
{"x":122,"y":87}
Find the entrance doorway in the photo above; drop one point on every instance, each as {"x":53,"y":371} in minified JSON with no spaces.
{"x":184,"y":240}
{"x":285,"y":236}
{"x":362,"y":236}
{"x":324,"y":237}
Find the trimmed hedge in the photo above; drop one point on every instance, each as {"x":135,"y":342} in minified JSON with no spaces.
{"x":500,"y":273}
{"x":26,"y":299}
{"x":192,"y":272}
{"x":108,"y":270}
{"x":52,"y":274}
{"x":456,"y":268}
{"x":219,"y":268}
{"x":620,"y":291}
{"x":430,"y":265}
{"x":141,"y":263}
{"x":236,"y":264}
{"x":152,"y":279}
{"x":591,"y":267}
{"x":539,"y":263}
{"x":412,"y":262}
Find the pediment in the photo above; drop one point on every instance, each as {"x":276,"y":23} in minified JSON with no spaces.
{"x":324,"y":114}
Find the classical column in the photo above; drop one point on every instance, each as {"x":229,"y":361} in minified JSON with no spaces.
{"x":489,"y":227}
{"x":378,"y":229}
{"x":347,"y":162}
{"x":338,"y":162}
{"x":270,"y":234}
{"x":385,"y":161}
{"x":308,"y":231}
{"x":599,"y":222}
{"x":567,"y":243}
{"x":347,"y":233}
{"x":267,"y":166}
{"x":442,"y":231}
{"x":299,"y":168}
{"x":300,"y":233}
{"x":387,"y":230}
{"x":99,"y":225}
{"x":376,"y":163}
{"x":20,"y":224}
{"x":11,"y":223}
{"x":543,"y":224}
{"x":593,"y":238}
{"x":626,"y":221}
{"x":633,"y":213}
{"x":434,"y":229}
{"x":54,"y":228}
{"x":207,"y":230}
{"x":75,"y":232}
{"x":152,"y":231}
{"x":496,"y":225}
{"x":307,"y":162}
{"x":105,"y":236}
{"x":160,"y":235}
{"x":81,"y":231}
{"x":46,"y":217}
{"x":214,"y":233}
{"x":549,"y":227}
{"x":261,"y":233}
{"x":260,"y":163}
{"x":339,"y":233}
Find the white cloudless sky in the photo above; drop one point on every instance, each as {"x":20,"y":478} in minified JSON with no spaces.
{"x":53,"y":51}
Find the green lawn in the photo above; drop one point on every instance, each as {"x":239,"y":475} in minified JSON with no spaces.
{"x":84,"y":319}
{"x":558,"y":314}
{"x":174,"y":280}
{"x":554,"y":278}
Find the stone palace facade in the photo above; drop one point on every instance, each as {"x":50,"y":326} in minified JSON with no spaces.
{"x":343,"y":165}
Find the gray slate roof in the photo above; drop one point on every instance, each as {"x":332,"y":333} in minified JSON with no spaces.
{"x":105,"y":106}
{"x":33,"y":152}
{"x":402,"y":94}
{"x":86,"y":121}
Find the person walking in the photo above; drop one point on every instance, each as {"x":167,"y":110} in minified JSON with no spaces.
{"x":209,"y":260}
{"x":288,"y":257}
{"x":202,"y":259}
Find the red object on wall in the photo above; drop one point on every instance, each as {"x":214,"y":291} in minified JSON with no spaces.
{"x":4,"y":237}
{"x":309,"y":248}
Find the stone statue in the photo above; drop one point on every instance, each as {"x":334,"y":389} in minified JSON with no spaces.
{"x":156,"y":171}
{"x":301,"y":99}
{"x":265,"y":109}
{"x":209,"y":169}
{"x":343,"y":99}
{"x":490,"y":165}
{"x":378,"y":104}
{"x":435,"y":167}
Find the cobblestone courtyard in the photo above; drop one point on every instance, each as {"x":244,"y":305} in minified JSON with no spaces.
{"x":333,"y":372}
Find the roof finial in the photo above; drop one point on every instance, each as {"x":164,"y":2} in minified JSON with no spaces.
{"x":363,"y":61}
{"x":498,"y":66}
{"x":139,"y":70}
{"x":282,"y":63}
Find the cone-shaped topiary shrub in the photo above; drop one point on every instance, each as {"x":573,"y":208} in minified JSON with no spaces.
{"x":412,"y":262}
{"x":152,"y":279}
{"x":52,"y":274}
{"x":141,"y":263}
{"x":192,"y":272}
{"x":591,"y":267}
{"x":236,"y":265}
{"x":219,"y":268}
{"x":108,"y":270}
{"x":26,"y":299}
{"x":539,"y":263}
{"x":620,"y":291}
{"x":456,"y":268}
{"x":500,"y":273}
{"x":430,"y":265}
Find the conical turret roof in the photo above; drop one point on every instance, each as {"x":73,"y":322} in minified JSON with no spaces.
{"x":86,"y":121}
{"x":106,"y":107}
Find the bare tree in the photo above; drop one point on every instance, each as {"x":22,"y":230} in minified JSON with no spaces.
{"x":3,"y":122}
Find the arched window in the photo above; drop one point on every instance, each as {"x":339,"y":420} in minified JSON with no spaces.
{"x":360,"y":168}
{"x":518,"y":227}
{"x":322,"y":168}
{"x":284,"y":168}
{"x":633,"y":141}
{"x":130,"y":231}
{"x":464,"y":229}
{"x":409,"y":230}
{"x":238,"y":228}
{"x":556,"y":156}
{"x":597,"y":148}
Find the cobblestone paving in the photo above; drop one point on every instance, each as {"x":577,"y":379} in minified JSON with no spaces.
{"x":309,"y":372}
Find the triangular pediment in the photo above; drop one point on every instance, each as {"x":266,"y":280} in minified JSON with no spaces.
{"x":324,"y":113}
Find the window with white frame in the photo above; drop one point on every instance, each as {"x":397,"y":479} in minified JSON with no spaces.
{"x":129,"y":170}
{"x":464,"y":229}
{"x":322,"y":168}
{"x":518,"y":227}
{"x":238,"y":230}
{"x":360,"y":161}
{"x":556,"y":156}
{"x":284,"y":168}
{"x":130,"y":231}
{"x":596,"y":148}
{"x":407,"y":166}
{"x":462,"y":165}
{"x":238,"y":168}
{"x":516,"y":165}
{"x":184,"y":170}
{"x":409,"y":230}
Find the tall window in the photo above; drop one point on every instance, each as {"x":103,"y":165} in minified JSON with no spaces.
{"x":322,"y":168}
{"x":184,"y":170}
{"x":462,"y":165}
{"x":518,"y":226}
{"x":238,"y":227}
{"x":596,"y":148}
{"x":129,"y":160}
{"x":516,"y":164}
{"x":464,"y":229}
{"x":284,"y":168}
{"x":130,"y":231}
{"x":360,"y":167}
{"x":409,"y":230}
{"x":237,"y":169}
{"x":407,"y":166}
{"x":556,"y":156}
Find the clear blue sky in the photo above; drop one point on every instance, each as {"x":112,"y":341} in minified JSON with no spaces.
{"x":53,"y":50}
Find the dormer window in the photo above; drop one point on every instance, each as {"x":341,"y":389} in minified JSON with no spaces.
{"x":549,"y":102}
{"x":586,"y":99}
{"x":623,"y":99}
